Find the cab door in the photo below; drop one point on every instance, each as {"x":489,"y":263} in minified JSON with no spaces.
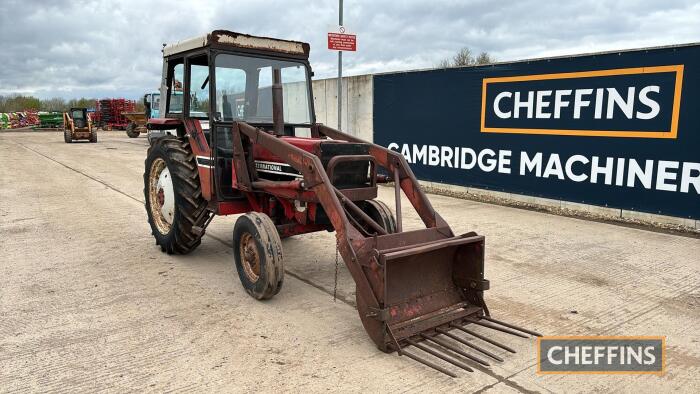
{"x":197,"y":116}
{"x":228,"y":92}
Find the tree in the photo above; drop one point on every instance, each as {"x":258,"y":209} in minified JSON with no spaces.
{"x":54,"y":104}
{"x":19,"y":103}
{"x":16,"y":103}
{"x":464,"y":57}
{"x":484,"y":58}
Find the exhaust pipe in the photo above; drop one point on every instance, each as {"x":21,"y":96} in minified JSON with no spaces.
{"x":277,"y":106}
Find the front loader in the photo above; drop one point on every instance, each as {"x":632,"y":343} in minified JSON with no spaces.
{"x":247,"y":143}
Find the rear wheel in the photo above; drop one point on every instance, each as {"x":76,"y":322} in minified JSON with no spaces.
{"x":67,"y":137}
{"x":177,"y":211}
{"x":131,"y":130}
{"x":93,"y":136}
{"x":257,"y":250}
{"x":380,"y":213}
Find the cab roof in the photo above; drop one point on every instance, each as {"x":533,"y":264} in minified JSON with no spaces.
{"x":230,"y":39}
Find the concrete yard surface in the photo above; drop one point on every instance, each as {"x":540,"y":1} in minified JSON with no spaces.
{"x":89,"y":303}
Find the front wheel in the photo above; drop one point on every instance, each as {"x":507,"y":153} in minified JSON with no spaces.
{"x":131,"y":130}
{"x":67,"y":136}
{"x":93,"y":136}
{"x":176,"y":210}
{"x":380,"y":213}
{"x":257,"y":250}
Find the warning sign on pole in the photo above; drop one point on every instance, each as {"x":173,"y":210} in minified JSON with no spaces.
{"x":342,"y":40}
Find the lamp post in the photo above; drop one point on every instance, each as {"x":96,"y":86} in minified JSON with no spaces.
{"x":340,"y":70}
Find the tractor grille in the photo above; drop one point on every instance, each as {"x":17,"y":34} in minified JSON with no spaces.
{"x":347,"y":175}
{"x":330,"y":149}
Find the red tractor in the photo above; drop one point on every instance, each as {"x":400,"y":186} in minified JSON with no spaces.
{"x":247,"y":143}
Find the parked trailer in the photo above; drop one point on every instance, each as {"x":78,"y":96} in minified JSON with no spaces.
{"x":137,"y":120}
{"x":50,"y":120}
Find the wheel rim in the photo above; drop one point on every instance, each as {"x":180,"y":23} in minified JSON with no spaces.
{"x":250,"y":257}
{"x":161,"y":196}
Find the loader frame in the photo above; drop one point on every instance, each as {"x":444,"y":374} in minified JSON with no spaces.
{"x":360,"y":252}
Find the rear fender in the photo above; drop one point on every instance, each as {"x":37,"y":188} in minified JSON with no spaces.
{"x":203,"y":155}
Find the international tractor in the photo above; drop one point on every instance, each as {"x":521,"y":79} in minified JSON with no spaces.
{"x":247,"y":142}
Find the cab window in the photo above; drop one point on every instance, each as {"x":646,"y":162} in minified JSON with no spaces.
{"x":199,"y":87}
{"x":176,"y":83}
{"x":244,"y":89}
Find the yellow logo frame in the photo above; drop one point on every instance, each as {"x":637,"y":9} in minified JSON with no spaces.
{"x":672,"y":133}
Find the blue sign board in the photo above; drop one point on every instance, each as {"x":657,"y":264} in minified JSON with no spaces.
{"x":616,"y":129}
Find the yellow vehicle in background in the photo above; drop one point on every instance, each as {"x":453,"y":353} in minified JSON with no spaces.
{"x":77,"y":125}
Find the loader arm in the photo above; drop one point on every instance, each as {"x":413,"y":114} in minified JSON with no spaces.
{"x":397,"y":165}
{"x":68,"y":122}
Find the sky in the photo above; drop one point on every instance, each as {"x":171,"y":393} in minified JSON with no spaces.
{"x":74,"y":48}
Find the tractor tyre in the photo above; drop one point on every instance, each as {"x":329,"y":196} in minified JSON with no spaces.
{"x":177,"y":211}
{"x":67,"y":136}
{"x":380,"y":213}
{"x":93,"y":136}
{"x":131,"y":130}
{"x":257,"y":251}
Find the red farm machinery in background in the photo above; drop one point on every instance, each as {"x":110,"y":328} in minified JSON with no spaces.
{"x":109,"y":113}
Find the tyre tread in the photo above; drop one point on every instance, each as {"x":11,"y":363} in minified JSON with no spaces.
{"x":190,"y":204}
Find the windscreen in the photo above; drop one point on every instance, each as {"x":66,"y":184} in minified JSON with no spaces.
{"x":244,"y":89}
{"x":77,"y":114}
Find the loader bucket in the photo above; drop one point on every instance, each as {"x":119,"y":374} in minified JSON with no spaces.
{"x":425,"y":286}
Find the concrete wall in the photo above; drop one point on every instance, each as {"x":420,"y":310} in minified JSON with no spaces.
{"x":562,"y":206}
{"x":357,"y":112}
{"x":357,"y":104}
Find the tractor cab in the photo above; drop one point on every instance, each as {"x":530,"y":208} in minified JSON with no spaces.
{"x":228,"y":77}
{"x":212,"y":82}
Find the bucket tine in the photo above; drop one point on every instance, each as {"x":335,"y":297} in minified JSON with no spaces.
{"x":501,"y":329}
{"x":440,"y":355}
{"x":471,"y":345}
{"x":483,"y":338}
{"x":455,"y":349}
{"x":428,"y":363}
{"x":492,"y":320}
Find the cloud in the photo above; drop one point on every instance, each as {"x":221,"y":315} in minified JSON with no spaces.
{"x":100,"y":48}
